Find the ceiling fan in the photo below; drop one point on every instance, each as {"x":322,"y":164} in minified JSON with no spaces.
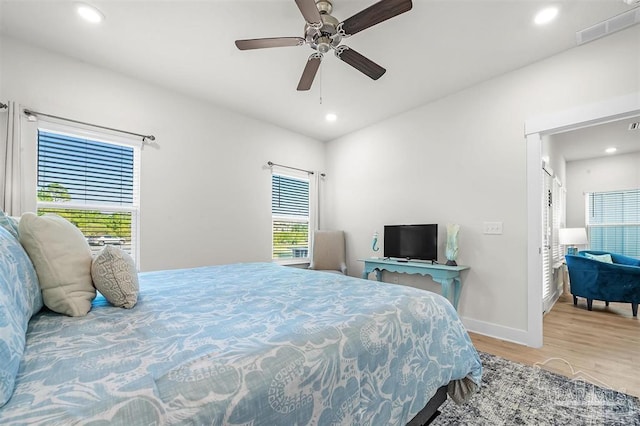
{"x":323,"y":32}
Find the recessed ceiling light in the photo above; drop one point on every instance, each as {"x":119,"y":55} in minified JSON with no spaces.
{"x":331,"y":117}
{"x":89,"y":13}
{"x":611,"y":150}
{"x":546,"y":15}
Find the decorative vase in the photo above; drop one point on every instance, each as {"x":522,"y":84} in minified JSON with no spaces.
{"x":451,"y":252}
{"x":374,"y":242}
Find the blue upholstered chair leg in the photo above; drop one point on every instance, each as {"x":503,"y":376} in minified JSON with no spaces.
{"x":634,"y":309}
{"x":606,"y":303}
{"x":575,"y":300}
{"x":589,"y":304}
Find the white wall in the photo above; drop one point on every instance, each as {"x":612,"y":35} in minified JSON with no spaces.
{"x":205,"y":193}
{"x":557,"y":161}
{"x":610,"y":173}
{"x":462,"y":160}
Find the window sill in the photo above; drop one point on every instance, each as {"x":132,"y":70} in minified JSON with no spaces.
{"x":296,"y":262}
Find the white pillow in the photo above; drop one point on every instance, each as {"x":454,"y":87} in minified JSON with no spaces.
{"x":114,"y":275}
{"x":606,"y":258}
{"x":62,"y":258}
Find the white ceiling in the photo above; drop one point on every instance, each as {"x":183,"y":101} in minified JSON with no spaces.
{"x":437,"y":48}
{"x":591,"y":142}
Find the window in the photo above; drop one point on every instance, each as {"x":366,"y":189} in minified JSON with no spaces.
{"x":290,"y":209}
{"x":613,"y":221}
{"x":93,"y":184}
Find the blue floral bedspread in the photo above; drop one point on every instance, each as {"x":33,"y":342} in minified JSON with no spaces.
{"x":244,"y":344}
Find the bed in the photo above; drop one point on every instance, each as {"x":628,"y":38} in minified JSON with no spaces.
{"x":242,"y":344}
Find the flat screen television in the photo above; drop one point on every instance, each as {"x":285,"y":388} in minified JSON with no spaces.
{"x":418,"y":242}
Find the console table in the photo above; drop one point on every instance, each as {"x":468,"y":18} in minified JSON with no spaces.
{"x":446,"y":276}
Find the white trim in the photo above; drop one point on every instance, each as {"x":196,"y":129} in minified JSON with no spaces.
{"x":135,"y":216}
{"x":77,"y":130}
{"x":606,"y":225}
{"x":84,"y":206}
{"x":585,"y":115}
{"x":582,"y":116}
{"x":309,"y":220}
{"x":289,"y":218}
{"x":534,"y":242}
{"x":29,"y":142}
{"x":292,"y":261}
{"x":292,"y":173}
{"x":496,"y":331}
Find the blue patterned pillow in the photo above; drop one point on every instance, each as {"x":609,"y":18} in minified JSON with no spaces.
{"x":9,"y":223}
{"x":20,"y":298}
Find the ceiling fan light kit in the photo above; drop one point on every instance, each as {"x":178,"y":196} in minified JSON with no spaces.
{"x":323,"y":32}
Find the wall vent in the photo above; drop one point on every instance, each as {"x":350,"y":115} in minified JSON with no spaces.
{"x":634,"y":126}
{"x":610,"y":26}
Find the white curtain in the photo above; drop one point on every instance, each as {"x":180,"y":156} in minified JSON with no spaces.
{"x":11,"y":173}
{"x":314,"y":195}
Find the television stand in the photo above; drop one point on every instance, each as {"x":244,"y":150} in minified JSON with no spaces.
{"x":447,"y":276}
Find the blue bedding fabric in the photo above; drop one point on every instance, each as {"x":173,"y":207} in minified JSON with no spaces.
{"x":20,"y":298}
{"x":240,"y":344}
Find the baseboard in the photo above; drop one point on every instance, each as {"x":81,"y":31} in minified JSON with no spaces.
{"x":501,"y":332}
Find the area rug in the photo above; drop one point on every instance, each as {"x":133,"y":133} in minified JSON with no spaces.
{"x":516,"y":394}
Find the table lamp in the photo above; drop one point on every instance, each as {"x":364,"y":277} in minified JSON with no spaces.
{"x":571,"y":237}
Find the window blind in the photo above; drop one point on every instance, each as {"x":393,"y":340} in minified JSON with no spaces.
{"x":290,"y":216}
{"x":613,"y":221}
{"x":558,"y":207}
{"x":290,"y":196}
{"x":547,"y":199}
{"x":91,"y":183}
{"x":84,"y":171}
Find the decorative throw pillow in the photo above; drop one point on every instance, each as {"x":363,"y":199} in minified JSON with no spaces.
{"x":606,"y":258}
{"x":62,"y":258}
{"x":20,"y":298}
{"x":9,"y":223}
{"x":114,"y":275}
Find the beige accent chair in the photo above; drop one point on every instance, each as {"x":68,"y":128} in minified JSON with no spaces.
{"x":328,"y":252}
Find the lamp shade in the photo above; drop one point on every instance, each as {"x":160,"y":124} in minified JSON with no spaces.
{"x":573,"y":236}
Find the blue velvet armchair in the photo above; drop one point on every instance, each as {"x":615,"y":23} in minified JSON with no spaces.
{"x":611,"y":282}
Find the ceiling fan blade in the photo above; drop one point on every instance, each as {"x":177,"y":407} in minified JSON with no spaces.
{"x":359,"y":62}
{"x":310,"y":70}
{"x":379,"y":12}
{"x":310,"y":11}
{"x":261,"y":43}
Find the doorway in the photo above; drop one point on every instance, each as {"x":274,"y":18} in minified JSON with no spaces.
{"x":535,"y":129}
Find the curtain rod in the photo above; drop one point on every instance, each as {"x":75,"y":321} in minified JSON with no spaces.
{"x":36,"y":113}
{"x":271,"y":164}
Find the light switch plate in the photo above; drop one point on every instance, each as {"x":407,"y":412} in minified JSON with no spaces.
{"x":492,"y":228}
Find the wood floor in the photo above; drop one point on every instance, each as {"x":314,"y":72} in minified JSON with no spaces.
{"x":601,"y":346}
